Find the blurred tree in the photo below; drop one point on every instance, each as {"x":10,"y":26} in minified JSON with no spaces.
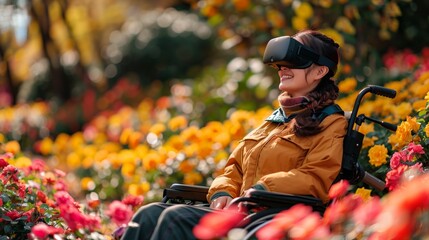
{"x":60,"y":48}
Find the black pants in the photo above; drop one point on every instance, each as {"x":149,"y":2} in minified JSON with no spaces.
{"x":165,"y":221}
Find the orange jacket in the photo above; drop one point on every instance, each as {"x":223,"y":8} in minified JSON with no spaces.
{"x":273,"y":158}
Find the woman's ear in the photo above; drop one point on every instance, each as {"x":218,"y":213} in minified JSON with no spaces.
{"x":321,"y":71}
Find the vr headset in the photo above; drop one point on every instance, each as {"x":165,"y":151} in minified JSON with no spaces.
{"x":288,"y":52}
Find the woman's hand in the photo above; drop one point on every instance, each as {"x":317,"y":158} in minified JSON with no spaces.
{"x":221,"y":202}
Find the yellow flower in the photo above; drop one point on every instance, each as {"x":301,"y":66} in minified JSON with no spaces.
{"x":151,"y":160}
{"x":128,"y":169}
{"x":241,"y":5}
{"x":304,"y":10}
{"x":402,"y":136}
{"x":177,"y":123}
{"x":427,"y":96}
{"x":427,"y":130}
{"x":46,"y":146}
{"x":12,"y":147}
{"x":124,"y":136}
{"x":2,"y":138}
{"x":419,"y":105}
{"x":275,"y":18}
{"x":223,"y":155}
{"x":157,"y":128}
{"x":364,"y":193}
{"x":344,"y":24}
{"x":366,"y":128}
{"x":367,"y":142}
{"x":348,"y":85}
{"x":204,"y":149}
{"x":377,"y":155}
{"x":186,"y":166}
{"x":22,"y":162}
{"x":73,"y":160}
{"x":87,"y":184}
{"x":325,"y":3}
{"x":403,"y":110}
{"x":335,"y":35}
{"x":299,"y":23}
{"x":176,"y":142}
{"x":192,"y":178}
{"x":415,"y":126}
{"x":393,"y":10}
{"x":138,"y":189}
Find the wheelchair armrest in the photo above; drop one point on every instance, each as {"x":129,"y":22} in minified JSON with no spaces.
{"x":183,"y":193}
{"x":274,"y":199}
{"x":281,"y":200}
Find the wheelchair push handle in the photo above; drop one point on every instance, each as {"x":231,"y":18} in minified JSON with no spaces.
{"x":373,"y":181}
{"x":382,"y":91}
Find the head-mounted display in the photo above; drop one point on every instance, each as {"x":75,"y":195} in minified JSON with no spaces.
{"x":286,"y":51}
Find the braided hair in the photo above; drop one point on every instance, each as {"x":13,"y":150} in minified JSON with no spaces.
{"x":307,"y":123}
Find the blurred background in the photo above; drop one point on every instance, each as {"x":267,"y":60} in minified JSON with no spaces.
{"x":68,"y":66}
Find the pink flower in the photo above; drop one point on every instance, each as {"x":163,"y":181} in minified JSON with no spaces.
{"x":217,"y":224}
{"x":283,"y":222}
{"x":340,"y":210}
{"x":339,"y":189}
{"x":63,"y":198}
{"x":415,"y":148}
{"x":38,"y":165}
{"x":133,"y":201}
{"x":42,"y":231}
{"x":311,"y":227}
{"x":396,"y":160}
{"x":9,"y":173}
{"x":119,"y":212}
{"x":367,"y":213}
{"x":393,"y":177}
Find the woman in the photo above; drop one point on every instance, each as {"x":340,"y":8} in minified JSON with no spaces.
{"x":298,"y":150}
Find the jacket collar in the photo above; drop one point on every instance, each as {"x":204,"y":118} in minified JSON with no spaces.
{"x":278,"y":116}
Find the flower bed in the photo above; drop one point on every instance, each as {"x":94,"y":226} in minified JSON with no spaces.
{"x":133,"y":153}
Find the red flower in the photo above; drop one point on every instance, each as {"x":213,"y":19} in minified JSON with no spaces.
{"x":339,"y":189}
{"x":217,"y":224}
{"x":119,"y":212}
{"x":41,"y":196}
{"x":1,"y":202}
{"x":3,"y":163}
{"x":13,"y":214}
{"x":94,"y":203}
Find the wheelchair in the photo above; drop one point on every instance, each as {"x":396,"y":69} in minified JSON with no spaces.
{"x":273,"y":203}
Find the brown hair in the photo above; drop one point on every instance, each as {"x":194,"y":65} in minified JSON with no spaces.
{"x":307,"y":123}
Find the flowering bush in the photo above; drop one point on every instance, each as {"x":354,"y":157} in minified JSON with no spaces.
{"x":35,"y":204}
